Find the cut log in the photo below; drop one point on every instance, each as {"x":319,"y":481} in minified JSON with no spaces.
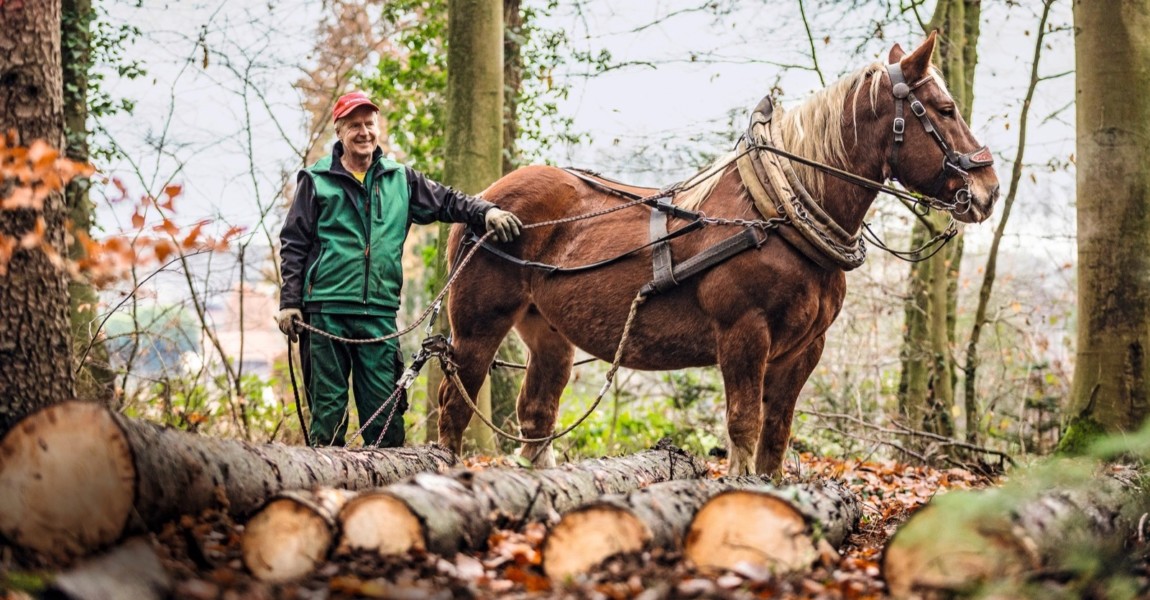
{"x":776,"y":529}
{"x":131,"y":570}
{"x":291,"y":534}
{"x":965,"y":539}
{"x":447,"y":514}
{"x":653,"y":517}
{"x":75,"y":477}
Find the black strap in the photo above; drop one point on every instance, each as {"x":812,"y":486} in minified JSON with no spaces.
{"x":720,"y":252}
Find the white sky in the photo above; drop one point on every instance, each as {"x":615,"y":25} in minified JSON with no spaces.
{"x":684,"y":108}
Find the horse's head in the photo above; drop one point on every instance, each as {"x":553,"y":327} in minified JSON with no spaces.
{"x":933,"y":151}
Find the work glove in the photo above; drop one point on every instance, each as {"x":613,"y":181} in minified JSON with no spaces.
{"x":286,"y":319}
{"x":505,"y":225}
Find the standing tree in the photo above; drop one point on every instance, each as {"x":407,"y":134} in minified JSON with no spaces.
{"x":34,"y":325}
{"x":1111,"y":388}
{"x":926,"y":390}
{"x":474,"y":133}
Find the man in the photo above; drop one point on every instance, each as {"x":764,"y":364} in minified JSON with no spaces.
{"x":341,"y":248}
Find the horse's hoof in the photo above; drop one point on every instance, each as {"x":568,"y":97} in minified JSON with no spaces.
{"x":541,"y":458}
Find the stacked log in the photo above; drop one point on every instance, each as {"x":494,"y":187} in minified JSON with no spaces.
{"x":75,"y":477}
{"x":653,"y":517}
{"x":1037,"y":524}
{"x":780,"y":530}
{"x":445,"y":514}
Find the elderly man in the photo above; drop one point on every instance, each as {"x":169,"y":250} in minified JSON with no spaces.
{"x":341,"y":250}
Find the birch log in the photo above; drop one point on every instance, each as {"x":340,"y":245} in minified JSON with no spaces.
{"x":653,"y":517}
{"x":445,"y":513}
{"x":292,"y":533}
{"x":75,"y":477}
{"x":778,"y":529}
{"x":965,"y":539}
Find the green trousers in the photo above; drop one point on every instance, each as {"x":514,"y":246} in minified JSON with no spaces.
{"x":374,"y":370}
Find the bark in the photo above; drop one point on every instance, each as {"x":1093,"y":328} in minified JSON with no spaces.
{"x":474,"y":132}
{"x":963,"y":540}
{"x":75,"y":477}
{"x":783,"y":530}
{"x":1111,"y":388}
{"x":653,"y":517}
{"x":34,"y":331}
{"x":928,"y":380}
{"x":290,"y":536}
{"x":448,"y":514}
{"x":970,"y":370}
{"x":132,"y":570}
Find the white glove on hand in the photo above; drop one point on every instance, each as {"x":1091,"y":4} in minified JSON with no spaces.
{"x":286,"y":318}
{"x":505,"y":225}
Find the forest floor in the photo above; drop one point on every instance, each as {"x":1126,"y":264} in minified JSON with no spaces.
{"x":202,"y":555}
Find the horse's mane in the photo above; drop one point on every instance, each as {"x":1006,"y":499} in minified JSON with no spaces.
{"x":813,"y":130}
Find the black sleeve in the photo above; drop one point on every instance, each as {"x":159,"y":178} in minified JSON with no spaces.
{"x":432,"y":201}
{"x":296,"y":240}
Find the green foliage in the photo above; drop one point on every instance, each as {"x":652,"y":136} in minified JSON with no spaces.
{"x":1082,"y":432}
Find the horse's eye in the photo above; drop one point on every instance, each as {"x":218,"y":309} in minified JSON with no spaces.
{"x":946,"y":111}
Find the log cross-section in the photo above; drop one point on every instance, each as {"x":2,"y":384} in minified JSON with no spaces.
{"x":75,"y":477}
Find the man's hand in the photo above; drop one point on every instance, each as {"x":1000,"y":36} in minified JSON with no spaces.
{"x":505,"y":225}
{"x":286,"y":318}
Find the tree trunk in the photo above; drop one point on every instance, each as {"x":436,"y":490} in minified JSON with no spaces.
{"x":653,"y":517}
{"x":75,"y":477}
{"x":962,"y":540}
{"x":34,"y":331}
{"x":928,"y":381}
{"x":781,"y":530}
{"x":474,"y":132}
{"x":1111,"y":388}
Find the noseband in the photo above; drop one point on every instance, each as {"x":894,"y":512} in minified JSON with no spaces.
{"x":951,"y":161}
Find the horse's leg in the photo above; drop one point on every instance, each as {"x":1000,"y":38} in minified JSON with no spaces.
{"x":475,"y":339}
{"x":781,"y":386}
{"x":548,"y":369}
{"x":742,"y":363}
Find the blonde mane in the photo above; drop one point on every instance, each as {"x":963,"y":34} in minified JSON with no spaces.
{"x":812,"y":130}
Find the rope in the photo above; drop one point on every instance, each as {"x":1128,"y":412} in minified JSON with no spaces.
{"x":451,"y":370}
{"x":295,"y":391}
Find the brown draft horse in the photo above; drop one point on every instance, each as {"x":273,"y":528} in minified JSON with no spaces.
{"x":762,"y":315}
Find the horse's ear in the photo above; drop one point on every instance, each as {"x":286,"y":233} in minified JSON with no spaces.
{"x":896,"y":54}
{"x":917,"y":64}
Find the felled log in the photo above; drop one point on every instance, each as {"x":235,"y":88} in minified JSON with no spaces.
{"x":75,"y":477}
{"x":1045,"y":523}
{"x":653,"y":517}
{"x":131,"y":570}
{"x":447,"y":514}
{"x":456,"y":511}
{"x":291,"y":534}
{"x":776,"y":529}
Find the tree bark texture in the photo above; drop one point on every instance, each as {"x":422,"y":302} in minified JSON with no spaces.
{"x":782,"y":530}
{"x":35,"y":346}
{"x":928,"y":380}
{"x":296,"y":531}
{"x":474,"y":135}
{"x":1111,"y":388}
{"x":75,"y":477}
{"x":963,"y":540}
{"x":653,"y":517}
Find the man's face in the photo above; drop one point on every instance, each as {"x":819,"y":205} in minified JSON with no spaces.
{"x":359,"y":131}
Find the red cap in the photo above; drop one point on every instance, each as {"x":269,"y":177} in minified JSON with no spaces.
{"x":350,"y":102}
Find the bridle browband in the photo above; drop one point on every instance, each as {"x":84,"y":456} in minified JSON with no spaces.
{"x":951,"y":161}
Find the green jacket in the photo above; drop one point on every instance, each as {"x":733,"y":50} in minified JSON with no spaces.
{"x":341,"y":246}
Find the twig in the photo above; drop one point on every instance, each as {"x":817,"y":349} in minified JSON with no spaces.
{"x":811,"y":41}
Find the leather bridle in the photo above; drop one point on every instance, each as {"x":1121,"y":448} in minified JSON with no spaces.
{"x":951,"y":161}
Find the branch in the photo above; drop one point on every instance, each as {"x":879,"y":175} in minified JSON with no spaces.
{"x":811,"y":41}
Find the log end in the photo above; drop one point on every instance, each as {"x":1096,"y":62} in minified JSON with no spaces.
{"x":936,"y":554}
{"x":381,"y":523}
{"x":67,"y":480}
{"x":285,"y":541}
{"x":748,"y":527}
{"x":585,"y":537}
